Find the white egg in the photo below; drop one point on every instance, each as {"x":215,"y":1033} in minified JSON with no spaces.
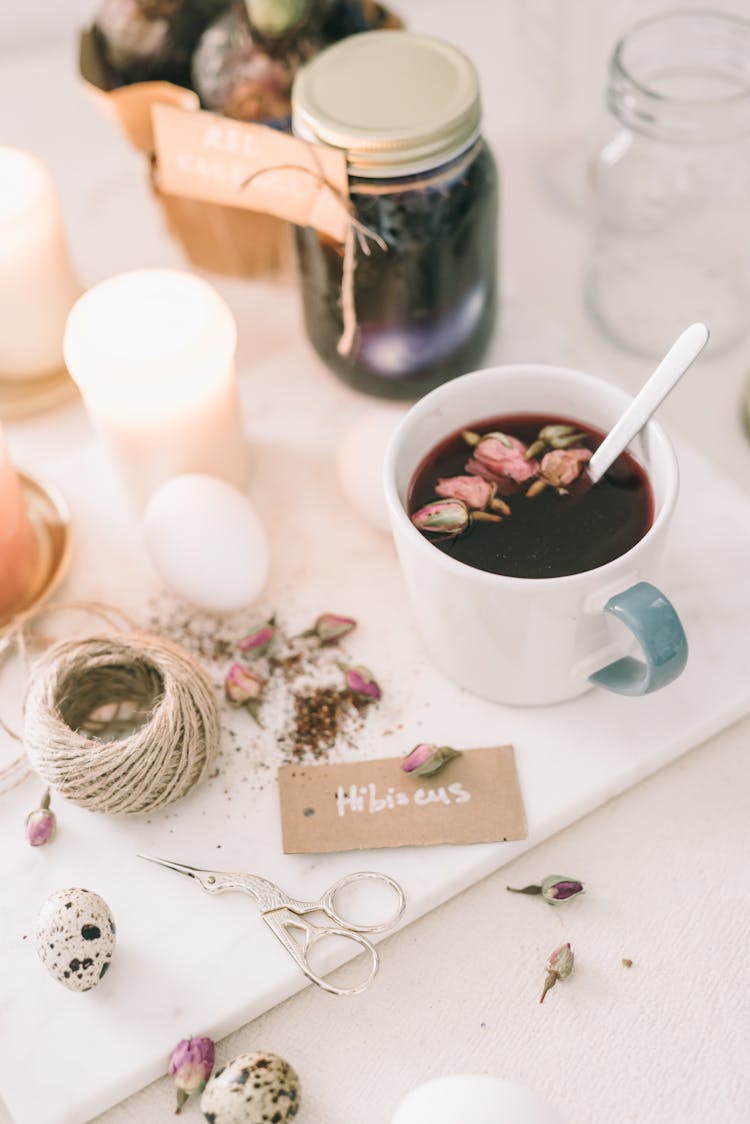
{"x":75,"y":937}
{"x":360,"y":462}
{"x":473,"y":1100}
{"x":207,"y":542}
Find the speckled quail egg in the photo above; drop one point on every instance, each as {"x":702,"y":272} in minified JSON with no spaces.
{"x":75,"y":938}
{"x":257,"y":1088}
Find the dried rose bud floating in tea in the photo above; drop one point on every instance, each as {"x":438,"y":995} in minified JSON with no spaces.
{"x":557,"y":525}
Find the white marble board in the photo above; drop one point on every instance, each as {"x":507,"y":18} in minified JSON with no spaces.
{"x":187,"y":963}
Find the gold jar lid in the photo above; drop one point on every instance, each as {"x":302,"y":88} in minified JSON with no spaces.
{"x":398,"y":103}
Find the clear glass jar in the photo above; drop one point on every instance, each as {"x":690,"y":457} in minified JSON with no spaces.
{"x":671,"y":207}
{"x":415,"y":303}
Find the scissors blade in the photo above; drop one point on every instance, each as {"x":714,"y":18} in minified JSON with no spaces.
{"x":205,"y":878}
{"x":181,"y":868}
{"x":265,"y":893}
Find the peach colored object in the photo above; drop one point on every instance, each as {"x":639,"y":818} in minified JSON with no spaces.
{"x":19,"y":549}
{"x":37,"y":283}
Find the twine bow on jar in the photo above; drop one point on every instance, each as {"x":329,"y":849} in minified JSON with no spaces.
{"x":356,"y":234}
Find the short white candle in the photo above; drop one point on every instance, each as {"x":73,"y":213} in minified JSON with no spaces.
{"x":153,"y":353}
{"x":37,"y":283}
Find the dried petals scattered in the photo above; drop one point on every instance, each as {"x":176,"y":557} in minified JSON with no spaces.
{"x":554,"y":436}
{"x":41,"y":825}
{"x":500,"y":505}
{"x":190,"y":1066}
{"x":243,"y":686}
{"x":562,"y":466}
{"x":259,"y":640}
{"x":498,"y":456}
{"x":557,"y":431}
{"x":557,"y":888}
{"x":554,"y":889}
{"x":362,"y":684}
{"x":427,"y":760}
{"x":536,"y":488}
{"x":329,"y":628}
{"x":475,"y":492}
{"x":561,"y":436}
{"x":559,"y":967}
{"x":444,"y":517}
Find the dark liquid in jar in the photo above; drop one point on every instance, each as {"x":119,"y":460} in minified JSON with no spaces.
{"x":551,"y":535}
{"x":425,"y":308}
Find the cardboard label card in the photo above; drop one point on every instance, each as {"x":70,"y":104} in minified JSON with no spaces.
{"x":200,"y":155}
{"x":357,"y":805}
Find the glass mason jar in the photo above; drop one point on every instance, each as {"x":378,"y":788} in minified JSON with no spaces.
{"x":671,"y":208}
{"x":409,"y":299}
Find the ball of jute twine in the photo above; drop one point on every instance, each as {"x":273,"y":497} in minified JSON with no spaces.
{"x":124,"y":723}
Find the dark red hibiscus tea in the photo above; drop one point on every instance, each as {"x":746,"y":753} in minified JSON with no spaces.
{"x":510,"y":495}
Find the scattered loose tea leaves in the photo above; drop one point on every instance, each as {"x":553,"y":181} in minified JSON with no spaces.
{"x":317,"y":720}
{"x":292,"y":683}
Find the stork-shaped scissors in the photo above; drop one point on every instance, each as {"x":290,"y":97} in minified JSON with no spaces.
{"x":288,"y":918}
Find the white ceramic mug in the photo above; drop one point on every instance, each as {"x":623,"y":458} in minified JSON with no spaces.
{"x":531,"y":641}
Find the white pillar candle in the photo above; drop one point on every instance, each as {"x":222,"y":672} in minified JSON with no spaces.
{"x":152,"y":353}
{"x":37,"y":283}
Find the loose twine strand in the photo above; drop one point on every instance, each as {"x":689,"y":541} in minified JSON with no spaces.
{"x":357,"y":234}
{"x":17,"y":636}
{"x":120,"y":724}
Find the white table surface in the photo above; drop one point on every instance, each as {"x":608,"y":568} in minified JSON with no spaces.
{"x":664,"y":1042}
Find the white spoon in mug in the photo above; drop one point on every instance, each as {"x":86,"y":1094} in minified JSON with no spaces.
{"x":683,"y":352}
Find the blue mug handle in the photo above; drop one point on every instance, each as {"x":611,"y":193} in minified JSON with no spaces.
{"x":654,"y":622}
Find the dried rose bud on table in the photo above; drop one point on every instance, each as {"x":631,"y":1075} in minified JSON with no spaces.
{"x":559,"y":967}
{"x":41,"y":824}
{"x":190,"y":1066}
{"x":554,"y":889}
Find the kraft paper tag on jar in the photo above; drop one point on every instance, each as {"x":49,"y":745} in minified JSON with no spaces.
{"x":352,"y":806}
{"x":201,"y":155}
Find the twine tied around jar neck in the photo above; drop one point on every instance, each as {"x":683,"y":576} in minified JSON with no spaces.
{"x":357,"y":233}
